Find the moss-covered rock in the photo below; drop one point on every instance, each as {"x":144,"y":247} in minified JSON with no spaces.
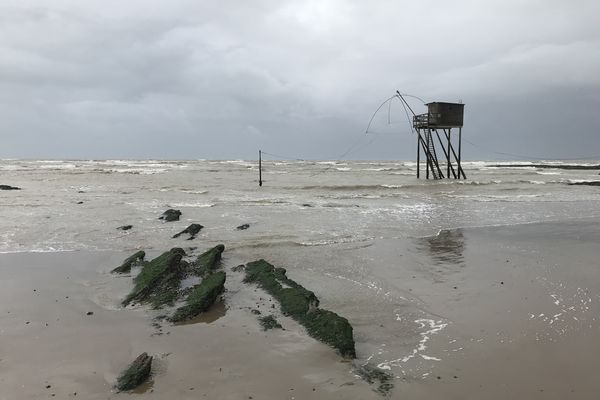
{"x":330,"y":328}
{"x":269,"y":322}
{"x":202,"y":297}
{"x":136,"y":374}
{"x":208,"y":261}
{"x":158,"y":282}
{"x":302,"y":305}
{"x":170,"y":215}
{"x":192,"y":230}
{"x":129,"y":262}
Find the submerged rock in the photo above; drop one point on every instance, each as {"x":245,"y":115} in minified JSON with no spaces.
{"x":8,"y":187}
{"x":376,"y":376}
{"x":158,"y":282}
{"x":129,"y":262}
{"x":243,"y":227}
{"x":208,"y":261}
{"x":136,"y":374}
{"x":125,"y":227}
{"x":192,"y":230}
{"x":302,"y":305}
{"x":269,"y":322}
{"x":170,"y":215}
{"x":201,"y":298}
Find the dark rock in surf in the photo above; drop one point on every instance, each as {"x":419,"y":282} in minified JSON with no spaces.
{"x":586,"y":183}
{"x":170,"y":215}
{"x":136,"y":374}
{"x":131,"y":261}
{"x":192,"y":230}
{"x":8,"y":187}
{"x":125,"y":227}
{"x":302,"y":305}
{"x":243,"y":227}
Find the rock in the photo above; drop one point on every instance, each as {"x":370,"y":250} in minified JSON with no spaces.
{"x":193,"y":230}
{"x":125,"y":227}
{"x":586,"y":183}
{"x":131,"y":261}
{"x":302,"y":305}
{"x":80,"y":202}
{"x":269,"y":322}
{"x":208,"y":261}
{"x":158,"y":282}
{"x":136,"y":374}
{"x":376,"y":376}
{"x":238,"y":268}
{"x":170,"y":215}
{"x":8,"y":187}
{"x":89,"y":313}
{"x":201,"y":298}
{"x":243,"y":227}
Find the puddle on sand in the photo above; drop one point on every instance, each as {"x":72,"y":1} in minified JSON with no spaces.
{"x":217,"y":311}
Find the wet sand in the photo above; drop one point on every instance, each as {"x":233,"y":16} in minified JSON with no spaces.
{"x":47,"y":339}
{"x":467,"y":314}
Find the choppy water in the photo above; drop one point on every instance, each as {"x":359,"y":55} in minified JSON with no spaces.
{"x":355,"y":232}
{"x":301,"y":203}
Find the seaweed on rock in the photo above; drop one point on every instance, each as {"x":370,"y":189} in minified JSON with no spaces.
{"x":129,"y":262}
{"x":201,"y":298}
{"x":269,"y":322}
{"x":158,"y":282}
{"x":208,"y":261}
{"x":302,"y":305}
{"x":136,"y":374}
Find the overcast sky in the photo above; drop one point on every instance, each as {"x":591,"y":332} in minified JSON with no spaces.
{"x":222,"y":79}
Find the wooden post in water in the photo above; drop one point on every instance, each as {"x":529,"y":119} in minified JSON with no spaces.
{"x":259,"y":168}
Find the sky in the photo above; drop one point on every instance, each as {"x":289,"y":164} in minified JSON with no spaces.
{"x":194,"y":79}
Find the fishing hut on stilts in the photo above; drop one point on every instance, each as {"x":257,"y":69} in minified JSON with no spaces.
{"x":438,"y":123}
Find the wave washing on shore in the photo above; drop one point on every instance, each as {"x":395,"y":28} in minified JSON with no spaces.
{"x":344,"y":229}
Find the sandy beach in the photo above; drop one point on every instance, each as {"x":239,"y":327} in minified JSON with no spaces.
{"x":518,"y":314}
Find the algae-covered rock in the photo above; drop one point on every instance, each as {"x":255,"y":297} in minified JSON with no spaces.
{"x":202,"y":297}
{"x":170,"y":215}
{"x":302,"y":305}
{"x":158,"y":282}
{"x":375,"y":376}
{"x":207,"y":261}
{"x":269,"y":322}
{"x":330,"y":328}
{"x":131,"y":261}
{"x":136,"y":374}
{"x":192,"y":230}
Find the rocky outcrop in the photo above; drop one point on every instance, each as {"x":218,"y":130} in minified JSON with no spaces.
{"x":136,"y":374}
{"x":131,"y":261}
{"x":201,"y":297}
{"x":158,"y":282}
{"x":170,"y":215}
{"x":208,"y":262}
{"x":192,"y":230}
{"x":8,"y":187}
{"x":302,"y":305}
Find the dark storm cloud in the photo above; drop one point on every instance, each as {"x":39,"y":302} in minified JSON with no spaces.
{"x":300,"y":78}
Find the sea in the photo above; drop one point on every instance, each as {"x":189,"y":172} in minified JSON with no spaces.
{"x":375,"y":243}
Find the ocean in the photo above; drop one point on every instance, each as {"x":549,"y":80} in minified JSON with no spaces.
{"x":419,"y":267}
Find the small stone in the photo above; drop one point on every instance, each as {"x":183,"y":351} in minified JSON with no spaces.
{"x":90,"y":313}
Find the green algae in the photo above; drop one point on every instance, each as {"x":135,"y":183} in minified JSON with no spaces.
{"x":269,"y":322}
{"x":201,"y":298}
{"x":158,"y":282}
{"x":302,"y":305}
{"x":136,"y":374}
{"x":129,"y":262}
{"x":208,"y":261}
